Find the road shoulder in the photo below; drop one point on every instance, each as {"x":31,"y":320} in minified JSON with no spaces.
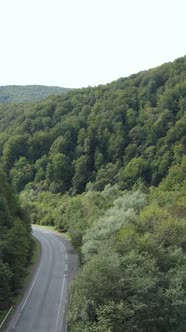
{"x":17,"y":300}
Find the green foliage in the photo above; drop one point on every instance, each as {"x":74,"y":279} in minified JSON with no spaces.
{"x":81,"y":175}
{"x":15,"y":242}
{"x":59,"y":173}
{"x":106,"y":175}
{"x":74,"y":214}
{"x":15,"y":147}
{"x":77,"y":153}
{"x":21,"y":173}
{"x":15,"y":251}
{"x":133,"y":275}
{"x":17,"y":93}
{"x":122,"y":213}
{"x":5,"y":280}
{"x":129,"y":129}
{"x":93,"y":286}
{"x":176,"y":176}
{"x":136,"y":168}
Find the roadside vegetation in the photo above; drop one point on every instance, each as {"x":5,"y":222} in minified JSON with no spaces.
{"x":16,"y":244}
{"x":108,"y":166}
{"x":132,"y":246}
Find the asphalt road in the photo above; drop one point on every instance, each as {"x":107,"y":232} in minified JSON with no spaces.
{"x":43,"y":306}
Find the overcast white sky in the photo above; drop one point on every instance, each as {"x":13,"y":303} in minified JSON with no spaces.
{"x":76,"y":43}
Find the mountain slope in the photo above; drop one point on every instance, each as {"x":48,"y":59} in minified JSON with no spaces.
{"x":79,"y":160}
{"x":132,"y":128}
{"x":24,"y":93}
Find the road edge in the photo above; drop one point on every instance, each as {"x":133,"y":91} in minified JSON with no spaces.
{"x":73,"y":267}
{"x":27,"y":282}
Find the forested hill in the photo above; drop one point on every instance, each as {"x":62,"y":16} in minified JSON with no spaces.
{"x":108,"y":165}
{"x":24,"y":93}
{"x":132,"y":128}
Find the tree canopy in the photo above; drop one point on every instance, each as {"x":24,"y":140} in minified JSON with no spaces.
{"x":27,"y":93}
{"x":134,"y":126}
{"x":108,"y":165}
{"x":15,"y":242}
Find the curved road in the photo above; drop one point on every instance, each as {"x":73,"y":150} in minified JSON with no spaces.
{"x":43,"y":306}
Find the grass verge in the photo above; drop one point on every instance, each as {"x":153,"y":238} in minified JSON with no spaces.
{"x":2,"y":315}
{"x":30,"y":272}
{"x":53,"y":229}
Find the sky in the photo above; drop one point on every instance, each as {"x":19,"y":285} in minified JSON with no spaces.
{"x":80,"y":43}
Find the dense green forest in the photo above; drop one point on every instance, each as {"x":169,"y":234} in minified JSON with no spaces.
{"x":132,"y":128}
{"x":26,"y":93}
{"x":108,"y":165}
{"x":133,"y":253}
{"x":15,"y":242}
